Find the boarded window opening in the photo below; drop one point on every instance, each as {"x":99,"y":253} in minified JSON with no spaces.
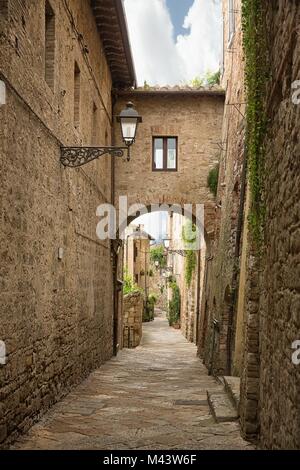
{"x":76,"y":96}
{"x":49,"y":45}
{"x":3,"y":9}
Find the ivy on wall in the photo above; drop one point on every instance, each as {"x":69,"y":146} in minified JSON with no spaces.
{"x":212,"y":180}
{"x":174,"y":304}
{"x":256,"y":76}
{"x":189,"y":234}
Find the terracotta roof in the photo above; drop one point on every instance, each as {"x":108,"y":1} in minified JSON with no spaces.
{"x":215,"y":90}
{"x":112,"y":26}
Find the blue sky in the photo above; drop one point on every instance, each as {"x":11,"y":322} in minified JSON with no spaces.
{"x":174,"y":41}
{"x":178,"y":11}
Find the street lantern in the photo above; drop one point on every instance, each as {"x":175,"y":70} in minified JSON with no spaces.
{"x":129,"y":119}
{"x":79,"y":156}
{"x":167,"y":243}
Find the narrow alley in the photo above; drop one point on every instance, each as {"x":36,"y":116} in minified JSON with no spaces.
{"x":149,"y":226}
{"x":151,"y":397}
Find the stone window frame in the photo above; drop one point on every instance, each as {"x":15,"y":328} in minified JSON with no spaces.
{"x":165,"y":154}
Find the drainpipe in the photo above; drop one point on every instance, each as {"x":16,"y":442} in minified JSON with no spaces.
{"x":198,"y":296}
{"x":236,"y":256}
{"x":114,"y":254}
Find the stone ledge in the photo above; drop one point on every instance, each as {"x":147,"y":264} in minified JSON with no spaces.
{"x":221,"y":407}
{"x":232,"y":387}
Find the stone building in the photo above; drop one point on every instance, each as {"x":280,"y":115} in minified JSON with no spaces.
{"x":217,"y":344}
{"x":58,"y":67}
{"x":270,"y":378}
{"x":65,"y":71}
{"x":137,"y":255}
{"x":191,"y":291}
{"x":250,"y":309}
{"x":184,"y":123}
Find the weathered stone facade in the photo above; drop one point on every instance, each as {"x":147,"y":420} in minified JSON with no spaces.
{"x":196,"y":119}
{"x":56,"y":310}
{"x":217,"y":324}
{"x":137,"y":255}
{"x":254,"y":293}
{"x":133,"y":306}
{"x":276,"y":309}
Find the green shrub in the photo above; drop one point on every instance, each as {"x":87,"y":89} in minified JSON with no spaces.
{"x":157,"y":254}
{"x":129,"y":286}
{"x":174,"y":305}
{"x":148,"y":314}
{"x":213,"y":78}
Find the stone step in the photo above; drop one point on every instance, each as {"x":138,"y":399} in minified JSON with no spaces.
{"x":221,"y":407}
{"x":232,"y":387}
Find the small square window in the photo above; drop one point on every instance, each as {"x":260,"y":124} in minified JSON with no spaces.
{"x":164,"y":154}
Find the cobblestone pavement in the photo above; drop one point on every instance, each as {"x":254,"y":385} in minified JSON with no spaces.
{"x":153,"y":397}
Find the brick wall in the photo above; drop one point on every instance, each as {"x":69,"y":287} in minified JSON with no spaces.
{"x":55,"y":315}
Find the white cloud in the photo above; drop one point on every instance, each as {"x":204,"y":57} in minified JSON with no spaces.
{"x":200,"y":50}
{"x":159,"y":59}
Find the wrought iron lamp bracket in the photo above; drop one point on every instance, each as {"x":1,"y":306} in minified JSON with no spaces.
{"x":179,"y":252}
{"x":78,"y":156}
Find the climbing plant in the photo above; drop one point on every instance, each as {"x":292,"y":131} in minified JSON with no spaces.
{"x":174,"y":304}
{"x":157,"y":254}
{"x":189,"y":235}
{"x":212,"y":179}
{"x":256,"y":76}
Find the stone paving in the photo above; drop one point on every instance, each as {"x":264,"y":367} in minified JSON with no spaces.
{"x":153,"y":397}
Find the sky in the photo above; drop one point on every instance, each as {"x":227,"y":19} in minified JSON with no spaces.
{"x":155,"y":224}
{"x":174,"y":41}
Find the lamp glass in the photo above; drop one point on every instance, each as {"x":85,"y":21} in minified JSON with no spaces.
{"x":129,"y":126}
{"x":167,"y":243}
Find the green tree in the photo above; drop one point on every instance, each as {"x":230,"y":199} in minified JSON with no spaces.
{"x":157,"y":254}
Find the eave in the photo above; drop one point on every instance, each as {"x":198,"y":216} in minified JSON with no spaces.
{"x":112,"y":26}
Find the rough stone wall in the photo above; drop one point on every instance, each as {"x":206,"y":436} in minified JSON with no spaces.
{"x":157,"y":286}
{"x":279,"y":268}
{"x":219,"y":280}
{"x":197,"y":121}
{"x":133,"y":305}
{"x":55,"y":315}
